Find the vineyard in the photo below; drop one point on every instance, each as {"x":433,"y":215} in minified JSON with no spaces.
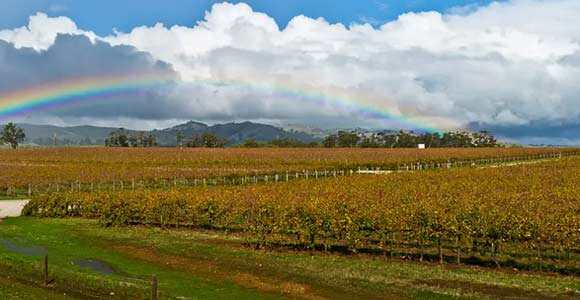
{"x":525,"y":212}
{"x":31,"y":171}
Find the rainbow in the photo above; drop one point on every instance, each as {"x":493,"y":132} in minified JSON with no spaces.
{"x":70,"y":92}
{"x":363,"y":103}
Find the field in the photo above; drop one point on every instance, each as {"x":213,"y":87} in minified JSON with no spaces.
{"x":53,"y":169}
{"x":438,"y":224}
{"x":500,"y":211}
{"x":210,"y":265}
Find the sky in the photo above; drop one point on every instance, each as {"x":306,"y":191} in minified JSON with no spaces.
{"x":103,"y":16}
{"x":511,"y":66}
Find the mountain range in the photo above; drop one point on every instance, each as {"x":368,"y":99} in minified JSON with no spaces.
{"x":234,"y":133}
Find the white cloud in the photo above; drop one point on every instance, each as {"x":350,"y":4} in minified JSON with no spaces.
{"x":41,"y":32}
{"x":507,"y":63}
{"x":476,"y":66}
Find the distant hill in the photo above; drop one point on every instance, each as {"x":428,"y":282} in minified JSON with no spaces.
{"x":313,"y":131}
{"x":189,"y":127}
{"x":47,"y":134}
{"x":235,"y":133}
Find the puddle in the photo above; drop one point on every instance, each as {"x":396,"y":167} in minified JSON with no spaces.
{"x":26,"y":250}
{"x":95,"y":265}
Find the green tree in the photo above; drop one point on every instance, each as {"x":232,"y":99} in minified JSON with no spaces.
{"x":407,"y":140}
{"x":484,"y":139}
{"x":117,"y":138}
{"x":330,"y":141}
{"x":195,"y":141}
{"x":431,"y":140}
{"x":139,"y":139}
{"x":211,"y":140}
{"x":389,"y":140}
{"x":347,"y":139}
{"x":207,"y":139}
{"x":288,"y":143}
{"x":134,"y":140}
{"x":370,"y":142}
{"x":250,"y":143}
{"x":12,"y":135}
{"x":150,"y":141}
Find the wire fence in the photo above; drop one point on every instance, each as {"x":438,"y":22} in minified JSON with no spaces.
{"x":147,"y":287}
{"x":68,"y":280}
{"x":168,"y":183}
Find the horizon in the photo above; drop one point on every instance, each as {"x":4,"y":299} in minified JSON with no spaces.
{"x":305,"y":130}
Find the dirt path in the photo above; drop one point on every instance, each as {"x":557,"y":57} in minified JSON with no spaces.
{"x":11,"y":208}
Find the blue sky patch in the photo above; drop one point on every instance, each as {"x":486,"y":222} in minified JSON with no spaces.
{"x":103,"y":16}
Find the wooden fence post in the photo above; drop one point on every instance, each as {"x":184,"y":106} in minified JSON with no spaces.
{"x":154,"y":285}
{"x":457,"y":251}
{"x":440,"y":251}
{"x":45,"y":270}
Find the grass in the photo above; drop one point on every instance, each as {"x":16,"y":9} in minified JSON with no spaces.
{"x":14,"y":197}
{"x":13,"y":289}
{"x":210,"y":265}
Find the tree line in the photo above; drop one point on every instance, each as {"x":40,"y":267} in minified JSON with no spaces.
{"x":404,"y":139}
{"x":342,"y":139}
{"x":401,"y":139}
{"x":121,"y":138}
{"x":13,"y":136}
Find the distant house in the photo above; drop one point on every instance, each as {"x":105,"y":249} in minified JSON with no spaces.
{"x":421,"y":146}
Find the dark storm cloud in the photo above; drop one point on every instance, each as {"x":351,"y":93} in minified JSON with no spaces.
{"x":543,"y":132}
{"x":75,"y":56}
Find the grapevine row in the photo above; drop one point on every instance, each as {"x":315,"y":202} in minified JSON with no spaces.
{"x":531,"y":210}
{"x":21,"y":176}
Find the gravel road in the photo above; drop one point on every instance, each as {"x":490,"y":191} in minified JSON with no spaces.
{"x":11,"y":208}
